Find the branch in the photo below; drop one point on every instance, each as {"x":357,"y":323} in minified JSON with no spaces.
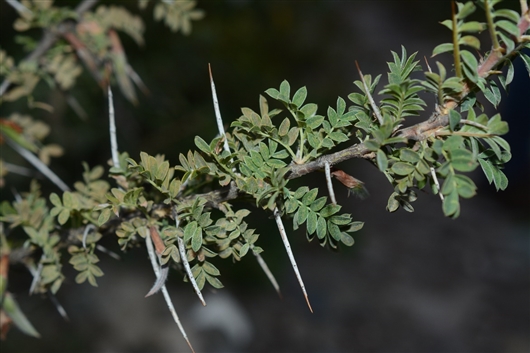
{"x":427,"y":128}
{"x":51,"y":36}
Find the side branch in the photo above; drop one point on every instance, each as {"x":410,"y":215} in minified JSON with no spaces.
{"x":355,"y":151}
{"x":427,"y":128}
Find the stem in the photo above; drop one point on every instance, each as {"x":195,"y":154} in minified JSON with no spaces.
{"x":491,"y":26}
{"x":456,"y":47}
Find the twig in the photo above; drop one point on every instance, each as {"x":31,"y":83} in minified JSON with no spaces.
{"x":287,"y":246}
{"x":474,"y":123}
{"x":184,"y":260}
{"x":226,"y":147}
{"x":374,"y":106}
{"x":327,"y":169}
{"x":156,"y":269}
{"x":37,"y":163}
{"x":112,"y":131}
{"x":425,"y":129}
{"x":435,"y":179}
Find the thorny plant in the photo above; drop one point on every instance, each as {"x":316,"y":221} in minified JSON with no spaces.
{"x":186,"y":213}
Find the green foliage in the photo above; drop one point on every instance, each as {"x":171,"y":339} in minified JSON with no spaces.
{"x":193,"y":211}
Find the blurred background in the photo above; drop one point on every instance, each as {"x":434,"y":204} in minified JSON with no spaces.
{"x":413,"y":282}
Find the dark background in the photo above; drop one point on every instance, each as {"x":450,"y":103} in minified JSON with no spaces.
{"x":414,"y":282}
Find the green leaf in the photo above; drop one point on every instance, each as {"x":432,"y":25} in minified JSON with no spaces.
{"x":210,"y":269}
{"x":393,"y":203}
{"x":330,"y":210}
{"x":285,"y":91}
{"x":356,"y":226}
{"x":470,"y":41}
{"x":334,"y":231}
{"x":493,"y":94}
{"x":273,"y":93}
{"x":463,"y":160}
{"x":196,"y":240}
{"x":311,"y":222}
{"x":104,"y":216}
{"x":347,"y":239}
{"x":466,"y":10}
{"x":321,"y":228}
{"x":526,"y":60}
{"x":309,"y":110}
{"x":338,"y":136}
{"x":300,"y":96}
{"x":68,"y":200}
{"x":465,"y":186}
{"x":382,"y":161}
{"x":190,"y":230}
{"x":372,"y":145}
{"x":202,"y":145}
{"x":291,"y":206}
{"x":454,"y":119}
{"x":284,"y":127}
{"x":442,"y":48}
{"x":408,"y":155}
{"x":55,"y":200}
{"x":506,"y":13}
{"x":450,"y":204}
{"x":452,"y":143}
{"x":314,"y":121}
{"x":301,"y":191}
{"x":472,"y":27}
{"x":11,"y":308}
{"x":63,"y":216}
{"x":341,"y":220}
{"x":318,"y":203}
{"x":214,"y":282}
{"x":402,"y":168}
{"x":500,"y":179}
{"x":509,"y":27}
{"x":487,"y":168}
{"x":244,"y":249}
{"x":301,"y":214}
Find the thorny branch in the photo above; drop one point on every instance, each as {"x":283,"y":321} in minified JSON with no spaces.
{"x":51,"y":36}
